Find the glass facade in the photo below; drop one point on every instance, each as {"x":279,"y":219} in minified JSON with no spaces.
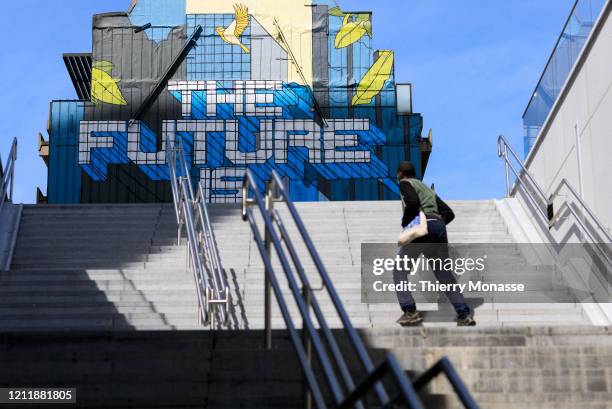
{"x":569,"y":45}
{"x":213,"y":58}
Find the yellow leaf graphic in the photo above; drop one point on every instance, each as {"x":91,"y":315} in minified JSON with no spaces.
{"x":105,"y":88}
{"x":336,"y":12}
{"x":363,"y":17}
{"x":351,"y":32}
{"x":374,"y":80}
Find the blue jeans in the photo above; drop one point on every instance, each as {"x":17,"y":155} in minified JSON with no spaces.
{"x":438,"y":237}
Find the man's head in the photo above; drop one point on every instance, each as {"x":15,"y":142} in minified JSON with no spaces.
{"x":406,"y":170}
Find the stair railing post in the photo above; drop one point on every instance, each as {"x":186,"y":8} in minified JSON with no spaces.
{"x":507,"y":170}
{"x":211,"y":314}
{"x":269,"y":204}
{"x":12,"y":169}
{"x":181,"y":211}
{"x":307,"y":295}
{"x":11,"y":179}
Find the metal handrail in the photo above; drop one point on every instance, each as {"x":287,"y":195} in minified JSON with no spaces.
{"x":7,"y":175}
{"x":202,"y":251}
{"x":504,"y":150}
{"x":345,"y":392}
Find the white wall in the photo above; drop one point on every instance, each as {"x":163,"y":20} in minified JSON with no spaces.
{"x":579,"y":130}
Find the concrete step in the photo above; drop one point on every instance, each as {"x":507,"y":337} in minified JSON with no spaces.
{"x":131,"y":316}
{"x":360,"y":226}
{"x":89,"y":234}
{"x":551,"y":400}
{"x":61,"y":223}
{"x":93,"y":214}
{"x":53,"y":287}
{"x":141,"y":270}
{"x":174,"y":282}
{"x":84,"y":221}
{"x":278,"y":323}
{"x":473,"y":339}
{"x":52,"y":303}
{"x":90,"y":255}
{"x":388,"y":318}
{"x":97,"y":218}
{"x":97,"y":208}
{"x":524,"y":380}
{"x":491,"y":319}
{"x":135,"y":276}
{"x":99,"y":242}
{"x":118,"y":322}
{"x":51,"y":247}
{"x":82,"y":296}
{"x":99,"y":263}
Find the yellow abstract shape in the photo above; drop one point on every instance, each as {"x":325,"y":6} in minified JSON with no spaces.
{"x":352,"y":31}
{"x":374,"y":80}
{"x":105,"y":88}
{"x":232,"y":33}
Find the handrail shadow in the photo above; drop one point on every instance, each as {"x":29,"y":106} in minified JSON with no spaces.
{"x":537,"y":199}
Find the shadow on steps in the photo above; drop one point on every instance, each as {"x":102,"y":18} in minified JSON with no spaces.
{"x":163,"y":369}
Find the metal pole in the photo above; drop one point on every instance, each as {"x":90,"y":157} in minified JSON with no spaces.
{"x":507,"y":170}
{"x":267,"y":285}
{"x":11,"y":178}
{"x":12,"y":170}
{"x":306,"y":294}
{"x":211,"y":312}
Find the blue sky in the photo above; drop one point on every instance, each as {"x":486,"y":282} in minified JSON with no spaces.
{"x":473,"y":65}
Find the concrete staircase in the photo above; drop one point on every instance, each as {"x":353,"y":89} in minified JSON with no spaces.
{"x":339,"y":228}
{"x":115,"y":268}
{"x":118,"y":267}
{"x":544,"y":368}
{"x":509,"y":368}
{"x":98,"y":267}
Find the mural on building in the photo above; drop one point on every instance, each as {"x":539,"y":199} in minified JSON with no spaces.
{"x":290,"y":86}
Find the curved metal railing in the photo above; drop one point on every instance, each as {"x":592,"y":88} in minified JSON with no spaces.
{"x":316,"y":334}
{"x":540,"y":201}
{"x":202,"y":252}
{"x":7,"y":174}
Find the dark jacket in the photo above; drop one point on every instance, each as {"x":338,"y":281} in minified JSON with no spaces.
{"x":413,"y":203}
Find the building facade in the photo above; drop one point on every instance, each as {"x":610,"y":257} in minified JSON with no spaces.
{"x":573,"y":146}
{"x":290,"y":86}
